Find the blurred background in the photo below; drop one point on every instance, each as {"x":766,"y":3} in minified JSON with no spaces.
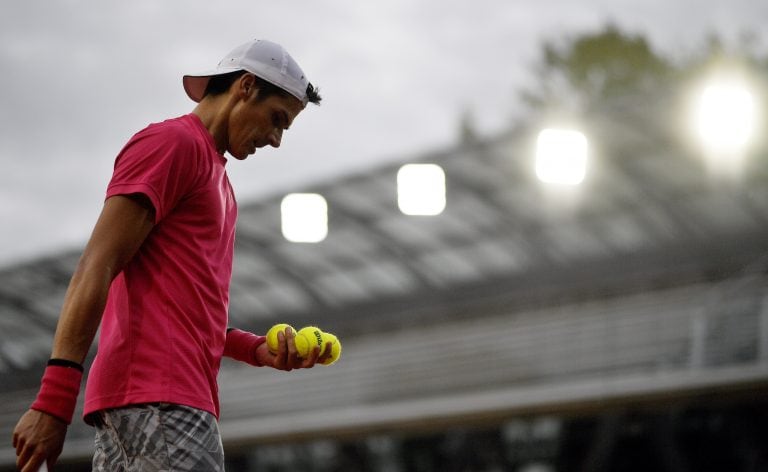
{"x":539,"y":229}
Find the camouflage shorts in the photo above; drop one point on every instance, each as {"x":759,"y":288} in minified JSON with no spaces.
{"x":157,"y":437}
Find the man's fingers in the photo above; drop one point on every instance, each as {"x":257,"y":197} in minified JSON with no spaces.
{"x":290,"y":342}
{"x":312,"y":359}
{"x":31,"y":458}
{"x":287,"y":357}
{"x":294,"y":359}
{"x":281,"y":360}
{"x":326,"y":352}
{"x":26,"y":460}
{"x":35,"y":464}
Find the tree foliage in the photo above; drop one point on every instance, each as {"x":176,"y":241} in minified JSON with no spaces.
{"x":606,"y":64}
{"x":580,"y":74}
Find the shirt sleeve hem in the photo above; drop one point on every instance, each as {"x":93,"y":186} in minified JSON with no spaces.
{"x":144,"y":189}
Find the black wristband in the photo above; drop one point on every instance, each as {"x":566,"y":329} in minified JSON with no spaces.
{"x":65,"y":363}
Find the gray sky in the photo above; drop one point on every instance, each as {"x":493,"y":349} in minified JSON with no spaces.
{"x":80,"y":77}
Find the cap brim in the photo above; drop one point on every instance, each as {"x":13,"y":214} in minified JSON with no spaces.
{"x":195,"y":84}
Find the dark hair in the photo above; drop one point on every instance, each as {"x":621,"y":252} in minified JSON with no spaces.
{"x":219,"y":84}
{"x":313,"y":94}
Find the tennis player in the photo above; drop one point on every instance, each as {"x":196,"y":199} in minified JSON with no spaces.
{"x":155,"y":276}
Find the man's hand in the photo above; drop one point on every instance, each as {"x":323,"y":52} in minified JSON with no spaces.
{"x":38,"y":438}
{"x":287,"y":357}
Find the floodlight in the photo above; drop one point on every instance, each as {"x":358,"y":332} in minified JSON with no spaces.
{"x":304,"y":217}
{"x":724,"y":116}
{"x":561,"y":156}
{"x":421,"y":189}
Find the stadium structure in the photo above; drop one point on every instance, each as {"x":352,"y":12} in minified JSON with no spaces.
{"x":622,"y":325}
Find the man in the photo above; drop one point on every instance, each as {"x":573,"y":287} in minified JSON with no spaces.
{"x":155,"y":275}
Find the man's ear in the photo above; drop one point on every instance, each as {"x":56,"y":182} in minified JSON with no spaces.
{"x":246,"y":86}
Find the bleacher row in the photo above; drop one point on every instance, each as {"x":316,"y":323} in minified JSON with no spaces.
{"x":546,"y":359}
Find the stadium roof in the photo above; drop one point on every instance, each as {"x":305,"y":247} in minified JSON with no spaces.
{"x":646,"y":215}
{"x":507,"y":249}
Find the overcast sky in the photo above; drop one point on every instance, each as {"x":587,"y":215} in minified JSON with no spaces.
{"x":80,"y":77}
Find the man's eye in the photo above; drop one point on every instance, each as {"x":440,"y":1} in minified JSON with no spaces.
{"x":280,"y":120}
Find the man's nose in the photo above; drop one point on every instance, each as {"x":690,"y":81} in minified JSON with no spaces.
{"x":275,"y":137}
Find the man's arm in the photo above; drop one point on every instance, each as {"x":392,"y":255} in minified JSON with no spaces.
{"x":120,"y":230}
{"x":122,"y":227}
{"x":248,"y":347}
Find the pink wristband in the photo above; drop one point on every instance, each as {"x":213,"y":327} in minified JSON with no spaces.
{"x":242,"y":345}
{"x":58,"y":392}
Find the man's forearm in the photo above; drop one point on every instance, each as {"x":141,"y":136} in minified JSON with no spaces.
{"x":81,"y":312}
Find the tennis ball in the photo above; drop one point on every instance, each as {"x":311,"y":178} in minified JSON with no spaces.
{"x":272,"y":341}
{"x":335,"y":348}
{"x":306,"y":339}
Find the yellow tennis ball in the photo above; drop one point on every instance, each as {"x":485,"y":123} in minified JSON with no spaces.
{"x":335,"y":348}
{"x":272,"y":341}
{"x":306,"y":339}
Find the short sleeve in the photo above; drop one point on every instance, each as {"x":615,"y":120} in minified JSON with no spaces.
{"x":158,"y":162}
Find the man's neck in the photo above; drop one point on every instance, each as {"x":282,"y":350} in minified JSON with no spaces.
{"x":214,"y":113}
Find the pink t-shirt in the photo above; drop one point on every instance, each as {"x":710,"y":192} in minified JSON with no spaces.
{"x":164,"y":327}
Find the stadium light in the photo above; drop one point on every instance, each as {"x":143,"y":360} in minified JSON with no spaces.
{"x":304,"y":217}
{"x":561,"y":156}
{"x":724,"y":116}
{"x":421,"y":189}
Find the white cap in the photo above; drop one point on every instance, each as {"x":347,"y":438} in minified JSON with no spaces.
{"x":264,"y":59}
